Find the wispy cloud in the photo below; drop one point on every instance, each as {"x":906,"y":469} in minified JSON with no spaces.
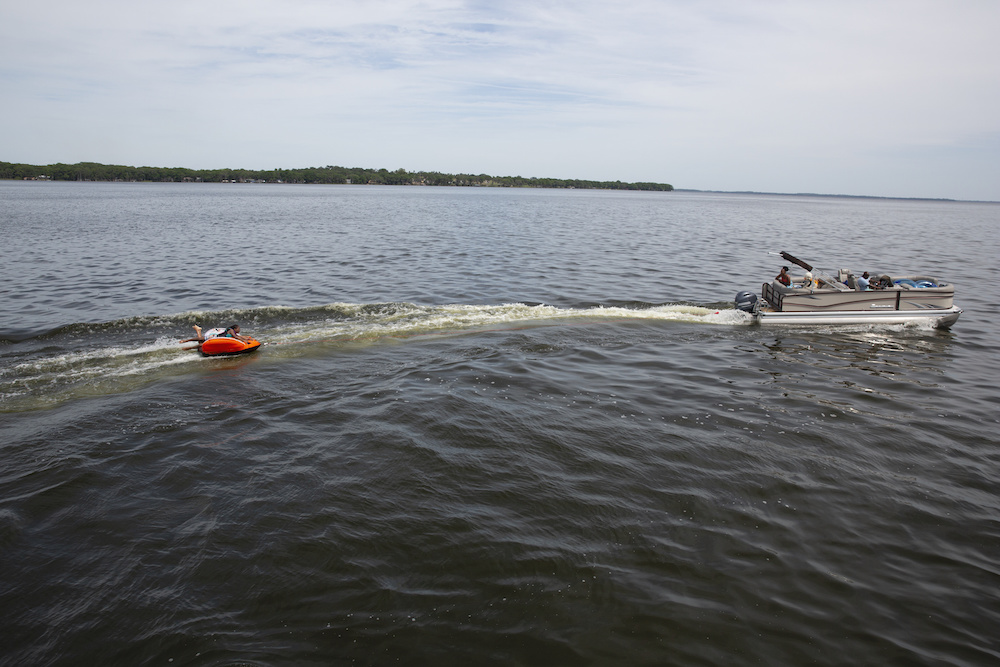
{"x":768,"y":95}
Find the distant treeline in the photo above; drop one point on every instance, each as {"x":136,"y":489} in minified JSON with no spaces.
{"x":92,"y":171}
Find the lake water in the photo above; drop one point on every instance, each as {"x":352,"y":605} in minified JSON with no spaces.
{"x":497,"y":427}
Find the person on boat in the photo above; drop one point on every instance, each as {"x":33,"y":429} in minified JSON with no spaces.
{"x":863,"y":281}
{"x":783,"y":277}
{"x":232,"y":331}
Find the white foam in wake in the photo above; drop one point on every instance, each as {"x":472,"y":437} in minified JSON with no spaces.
{"x":356,"y":322}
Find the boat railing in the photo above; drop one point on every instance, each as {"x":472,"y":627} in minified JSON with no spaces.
{"x":771,"y":295}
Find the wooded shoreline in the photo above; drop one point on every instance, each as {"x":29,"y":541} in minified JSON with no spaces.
{"x":93,"y":171}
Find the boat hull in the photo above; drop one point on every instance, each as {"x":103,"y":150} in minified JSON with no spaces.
{"x":938,"y":318}
{"x":224,"y":346}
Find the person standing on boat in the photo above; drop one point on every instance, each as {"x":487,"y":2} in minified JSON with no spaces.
{"x":783,"y":277}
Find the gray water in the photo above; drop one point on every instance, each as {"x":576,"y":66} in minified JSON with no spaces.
{"x":514,"y":427}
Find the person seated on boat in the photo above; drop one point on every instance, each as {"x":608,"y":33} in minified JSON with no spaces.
{"x":863,"y":282}
{"x":783,"y":277}
{"x":882,"y":282}
{"x":807,"y":281}
{"x":232,"y":331}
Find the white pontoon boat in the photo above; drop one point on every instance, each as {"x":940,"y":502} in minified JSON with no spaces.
{"x":841,"y":300}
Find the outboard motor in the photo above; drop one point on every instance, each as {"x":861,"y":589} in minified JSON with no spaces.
{"x":746,"y":301}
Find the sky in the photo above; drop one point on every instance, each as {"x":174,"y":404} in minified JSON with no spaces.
{"x":892,"y":98}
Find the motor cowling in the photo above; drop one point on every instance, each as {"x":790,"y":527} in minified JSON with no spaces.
{"x":746,"y":301}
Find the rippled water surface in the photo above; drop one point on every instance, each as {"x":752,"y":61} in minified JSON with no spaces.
{"x":499,"y":427}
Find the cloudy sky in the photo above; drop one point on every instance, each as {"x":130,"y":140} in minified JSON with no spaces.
{"x":868,"y":97}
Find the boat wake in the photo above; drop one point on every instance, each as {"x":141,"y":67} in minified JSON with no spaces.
{"x":350,"y":322}
{"x":89,"y":359}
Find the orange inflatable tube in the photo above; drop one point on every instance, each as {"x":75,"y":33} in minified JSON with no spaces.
{"x":223,"y":346}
